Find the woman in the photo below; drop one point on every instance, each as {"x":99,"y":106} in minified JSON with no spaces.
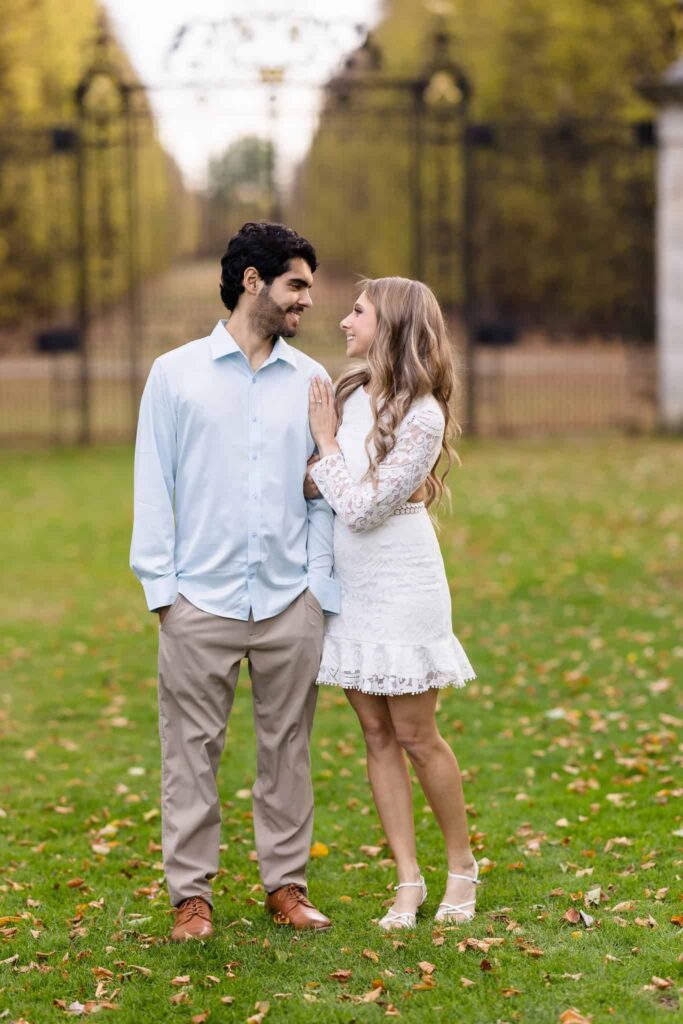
{"x":392,"y":647}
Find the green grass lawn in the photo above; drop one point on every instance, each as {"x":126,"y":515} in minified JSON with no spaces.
{"x":566,"y":564}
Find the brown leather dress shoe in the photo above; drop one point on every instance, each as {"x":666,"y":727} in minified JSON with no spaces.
{"x":290,"y":905}
{"x":192,"y":920}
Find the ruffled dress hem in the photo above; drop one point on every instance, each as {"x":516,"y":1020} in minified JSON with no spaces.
{"x":391,"y":669}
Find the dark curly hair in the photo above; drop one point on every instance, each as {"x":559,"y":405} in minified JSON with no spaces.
{"x":268,"y":248}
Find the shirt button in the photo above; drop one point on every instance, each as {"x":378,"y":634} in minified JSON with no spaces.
{"x":254,"y":420}
{"x":253,"y":458}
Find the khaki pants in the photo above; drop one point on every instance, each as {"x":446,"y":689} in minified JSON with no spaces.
{"x":199,"y":661}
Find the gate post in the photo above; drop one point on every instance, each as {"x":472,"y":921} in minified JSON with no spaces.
{"x":84,"y":297}
{"x":667,"y":92}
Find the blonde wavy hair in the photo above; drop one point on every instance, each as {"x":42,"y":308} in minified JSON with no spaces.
{"x":410,"y":356}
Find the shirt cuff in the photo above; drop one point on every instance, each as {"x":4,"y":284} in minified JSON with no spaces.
{"x":160,"y":592}
{"x":327,"y":591}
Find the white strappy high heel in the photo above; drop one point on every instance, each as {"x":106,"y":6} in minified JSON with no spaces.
{"x":407,"y":919}
{"x":446,"y":911}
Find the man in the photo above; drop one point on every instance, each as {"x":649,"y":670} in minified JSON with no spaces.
{"x":237,"y":563}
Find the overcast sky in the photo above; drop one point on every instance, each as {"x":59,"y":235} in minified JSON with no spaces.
{"x":196,"y":122}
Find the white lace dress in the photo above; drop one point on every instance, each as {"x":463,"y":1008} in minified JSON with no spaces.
{"x":394,"y":634}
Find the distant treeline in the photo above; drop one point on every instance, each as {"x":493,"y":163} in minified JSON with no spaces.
{"x":562,"y":205}
{"x":45,"y":48}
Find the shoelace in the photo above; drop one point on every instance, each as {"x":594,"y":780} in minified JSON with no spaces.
{"x":195,"y":906}
{"x":297,"y":894}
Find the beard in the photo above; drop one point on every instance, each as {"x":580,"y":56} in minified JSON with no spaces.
{"x":269,"y":319}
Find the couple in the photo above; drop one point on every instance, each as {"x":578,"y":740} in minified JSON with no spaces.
{"x":317,"y":568}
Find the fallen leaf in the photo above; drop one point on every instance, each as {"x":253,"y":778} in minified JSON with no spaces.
{"x":319,"y":850}
{"x":180,"y":998}
{"x":341,"y":975}
{"x":370,"y":954}
{"x":574,"y":1016}
{"x":102,"y":972}
{"x":370,"y":851}
{"x":372,"y":996}
{"x":181,"y":979}
{"x":426,"y":982}
{"x":141,"y":970}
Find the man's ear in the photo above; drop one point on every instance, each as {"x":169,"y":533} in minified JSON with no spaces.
{"x":252,"y":281}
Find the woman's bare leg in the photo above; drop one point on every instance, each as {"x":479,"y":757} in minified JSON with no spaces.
{"x":435,"y":764}
{"x":391,"y":789}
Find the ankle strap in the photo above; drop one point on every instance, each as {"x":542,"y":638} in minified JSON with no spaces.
{"x":410,"y":885}
{"x":467,"y":878}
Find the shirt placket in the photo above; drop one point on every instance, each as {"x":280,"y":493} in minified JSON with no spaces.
{"x":255,"y":484}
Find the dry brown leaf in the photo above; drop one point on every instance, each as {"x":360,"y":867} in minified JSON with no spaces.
{"x":181,"y":979}
{"x":370,"y":954}
{"x":102,"y":972}
{"x":661,"y":983}
{"x":625,"y":905}
{"x":528,"y":948}
{"x":199,"y":1018}
{"x":141,"y":970}
{"x":574,"y":1016}
{"x":180,"y":998}
{"x":341,"y":975}
{"x":425,"y":982}
{"x":509,"y":992}
{"x":372,"y":996}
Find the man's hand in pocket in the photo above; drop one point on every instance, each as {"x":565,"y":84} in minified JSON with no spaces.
{"x":310,"y":487}
{"x":163,"y":612}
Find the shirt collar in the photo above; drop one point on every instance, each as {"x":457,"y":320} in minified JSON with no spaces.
{"x":222,"y":344}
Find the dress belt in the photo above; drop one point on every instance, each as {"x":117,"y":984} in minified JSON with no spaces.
{"x":409,"y":508}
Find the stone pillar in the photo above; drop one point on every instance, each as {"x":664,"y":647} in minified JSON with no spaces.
{"x":667,"y":92}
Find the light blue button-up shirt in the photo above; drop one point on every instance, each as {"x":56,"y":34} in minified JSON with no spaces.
{"x":220,"y":458}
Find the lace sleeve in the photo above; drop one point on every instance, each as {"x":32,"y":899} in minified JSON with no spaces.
{"x":363,"y":506}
